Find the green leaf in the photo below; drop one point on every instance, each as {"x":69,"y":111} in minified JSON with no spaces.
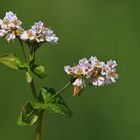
{"x":37,"y":105}
{"x":60,"y":109}
{"x":29,"y":116}
{"x":54,"y":105}
{"x":45,"y":95}
{"x":39,"y":70}
{"x":29,"y":76}
{"x":12,"y":61}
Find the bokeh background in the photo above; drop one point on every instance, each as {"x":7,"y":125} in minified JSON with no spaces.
{"x":105,"y":28}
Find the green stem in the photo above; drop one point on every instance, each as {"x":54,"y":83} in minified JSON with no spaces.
{"x":38,"y":127}
{"x":32,"y":85}
{"x":34,"y":93}
{"x":60,"y":91}
{"x":23,"y":50}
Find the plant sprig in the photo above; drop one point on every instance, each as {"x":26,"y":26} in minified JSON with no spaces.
{"x":95,"y":71}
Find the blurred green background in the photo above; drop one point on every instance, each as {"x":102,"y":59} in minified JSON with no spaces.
{"x":105,"y":28}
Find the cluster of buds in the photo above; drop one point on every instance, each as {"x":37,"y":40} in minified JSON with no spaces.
{"x":97,"y":72}
{"x":39,"y":33}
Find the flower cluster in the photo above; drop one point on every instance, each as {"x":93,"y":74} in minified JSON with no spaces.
{"x":10,"y":26}
{"x":38,"y":34}
{"x":97,"y":72}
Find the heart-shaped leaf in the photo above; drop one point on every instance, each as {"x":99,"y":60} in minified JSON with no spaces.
{"x":54,"y":105}
{"x":29,"y":114}
{"x":12,"y":61}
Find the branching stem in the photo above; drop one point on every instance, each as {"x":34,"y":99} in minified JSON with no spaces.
{"x":23,"y":50}
{"x":34,"y":93}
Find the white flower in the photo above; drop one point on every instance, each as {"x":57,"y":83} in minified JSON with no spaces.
{"x":24,"y":36}
{"x":2,"y":33}
{"x":79,"y":83}
{"x":78,"y":70}
{"x":97,"y":72}
{"x":111,"y":63}
{"x":38,"y":27}
{"x":105,"y":70}
{"x":68,"y":70}
{"x":111,"y":76}
{"x":98,"y":82}
{"x":43,"y":33}
{"x":83,"y":62}
{"x":27,"y":35}
{"x":40,"y":33}
{"x":10,"y":21}
{"x":78,"y":86}
{"x":10,"y":15}
{"x":85,"y":66}
{"x":1,"y":21}
{"x":96,"y":63}
{"x":10,"y":37}
{"x":51,"y":37}
{"x":10,"y":25}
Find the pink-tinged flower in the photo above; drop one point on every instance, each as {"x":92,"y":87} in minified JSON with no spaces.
{"x":78,"y":70}
{"x":111,"y":63}
{"x":111,"y":76}
{"x":10,"y":37}
{"x":10,"y":21}
{"x":10,"y":25}
{"x":105,"y":69}
{"x":28,"y":35}
{"x":100,"y":81}
{"x":68,"y":70}
{"x":83,"y":62}
{"x":97,"y":72}
{"x":39,"y":29}
{"x":96,"y":63}
{"x":39,"y":33}
{"x":2,"y":33}
{"x":78,"y":84}
{"x":85,"y":66}
{"x":51,"y":37}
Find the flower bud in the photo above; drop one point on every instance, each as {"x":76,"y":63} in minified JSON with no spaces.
{"x":40,"y":71}
{"x":76,"y":90}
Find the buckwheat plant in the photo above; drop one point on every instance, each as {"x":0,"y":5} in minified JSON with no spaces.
{"x":90,"y":71}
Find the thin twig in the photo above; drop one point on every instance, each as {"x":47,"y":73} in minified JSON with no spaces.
{"x":60,"y":91}
{"x":23,"y":50}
